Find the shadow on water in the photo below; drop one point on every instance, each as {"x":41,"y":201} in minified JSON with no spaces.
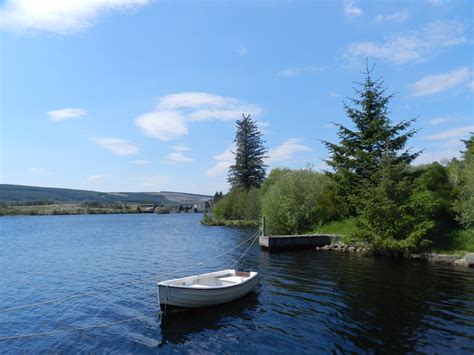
{"x":177,"y":328}
{"x":373,"y":304}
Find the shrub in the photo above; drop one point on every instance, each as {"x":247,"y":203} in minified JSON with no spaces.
{"x":464,"y":206}
{"x":294,"y":202}
{"x":238,"y":204}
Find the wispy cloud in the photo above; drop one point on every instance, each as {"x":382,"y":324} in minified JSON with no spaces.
{"x":287,"y":151}
{"x":440,"y":120}
{"x":59,"y":16}
{"x":38,"y":171}
{"x":242,"y":50}
{"x":455,"y":133}
{"x":433,"y":84}
{"x":117,"y":146}
{"x":292,"y":72}
{"x":98,"y":177}
{"x":414,"y":46}
{"x":351,"y":10}
{"x":178,"y":155}
{"x":66,"y":114}
{"x":334,"y":94}
{"x":171,"y":116}
{"x":399,"y":16}
{"x":223,"y":161}
{"x":140,"y":162}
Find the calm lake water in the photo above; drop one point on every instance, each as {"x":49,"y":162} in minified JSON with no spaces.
{"x":307,"y":301}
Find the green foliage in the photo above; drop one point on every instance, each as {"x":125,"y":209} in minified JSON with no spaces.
{"x":464,"y":206}
{"x":238,"y":204}
{"x":294,"y":201}
{"x":434,"y":181}
{"x":397,"y":214}
{"x":344,"y":227}
{"x":359,"y":153}
{"x":248,"y":171}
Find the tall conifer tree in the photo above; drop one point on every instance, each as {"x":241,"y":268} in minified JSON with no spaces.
{"x":360,"y":151}
{"x":249,"y":169}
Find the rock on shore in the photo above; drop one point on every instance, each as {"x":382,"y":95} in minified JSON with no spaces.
{"x":435,"y":258}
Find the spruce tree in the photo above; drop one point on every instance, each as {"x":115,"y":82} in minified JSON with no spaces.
{"x":248,"y":171}
{"x":360,"y":151}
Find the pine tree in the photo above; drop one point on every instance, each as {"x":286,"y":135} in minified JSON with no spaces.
{"x":360,"y":151}
{"x":248,"y":171}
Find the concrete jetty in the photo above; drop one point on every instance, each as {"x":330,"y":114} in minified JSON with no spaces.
{"x":302,"y":241}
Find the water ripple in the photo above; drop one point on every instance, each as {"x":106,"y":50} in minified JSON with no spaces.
{"x":307,"y":301}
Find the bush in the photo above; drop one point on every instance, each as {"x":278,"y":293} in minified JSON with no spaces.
{"x":238,"y":204}
{"x":464,"y":206}
{"x":294,"y":202}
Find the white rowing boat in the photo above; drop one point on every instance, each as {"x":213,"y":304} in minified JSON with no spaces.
{"x":206,"y":289}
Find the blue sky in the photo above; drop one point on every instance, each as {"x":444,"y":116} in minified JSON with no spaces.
{"x":139,"y":95}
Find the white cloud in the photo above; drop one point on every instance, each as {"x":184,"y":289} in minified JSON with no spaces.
{"x":400,"y":16}
{"x":242,"y":50}
{"x":224,"y":161}
{"x":178,"y":155}
{"x":117,"y":145}
{"x":292,"y":72}
{"x":448,"y":149}
{"x":287,"y":150}
{"x":59,"y":16}
{"x":433,"y":84}
{"x":334,"y":94}
{"x":163,"y":125}
{"x":435,"y":2}
{"x":140,"y":162}
{"x":172,"y":114}
{"x":439,"y":120}
{"x":98,"y":177}
{"x":38,"y":171}
{"x":414,"y":46}
{"x":181,"y":148}
{"x":451,"y":134}
{"x":350,"y":10}
{"x":66,"y":114}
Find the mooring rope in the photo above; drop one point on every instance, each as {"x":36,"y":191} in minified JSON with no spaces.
{"x":60,"y":331}
{"x":246,"y":250}
{"x":135,"y":282}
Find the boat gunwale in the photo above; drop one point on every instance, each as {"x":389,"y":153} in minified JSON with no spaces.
{"x":163,"y":284}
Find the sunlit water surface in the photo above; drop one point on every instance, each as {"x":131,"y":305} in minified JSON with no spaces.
{"x":307,"y":301}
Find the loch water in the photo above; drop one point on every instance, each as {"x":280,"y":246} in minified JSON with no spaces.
{"x":307,"y":301}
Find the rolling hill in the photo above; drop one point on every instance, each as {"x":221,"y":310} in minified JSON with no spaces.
{"x":20,"y":193}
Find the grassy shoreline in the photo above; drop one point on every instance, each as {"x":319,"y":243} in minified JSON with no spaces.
{"x":452,"y":242}
{"x":64,"y":209}
{"x":208,"y":220}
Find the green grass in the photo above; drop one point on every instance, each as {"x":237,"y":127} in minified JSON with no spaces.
{"x":344,"y":228}
{"x":211,"y":221}
{"x":457,"y":242}
{"x":62,"y":209}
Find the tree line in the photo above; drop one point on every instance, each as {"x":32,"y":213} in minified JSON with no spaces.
{"x":370,"y":179}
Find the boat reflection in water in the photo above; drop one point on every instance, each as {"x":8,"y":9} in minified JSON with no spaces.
{"x":178,"y":327}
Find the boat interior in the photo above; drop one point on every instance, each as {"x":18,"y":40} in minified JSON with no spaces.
{"x":213,"y":279}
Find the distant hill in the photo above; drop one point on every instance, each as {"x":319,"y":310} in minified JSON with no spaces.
{"x":20,"y":193}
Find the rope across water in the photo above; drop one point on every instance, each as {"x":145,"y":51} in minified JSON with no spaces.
{"x":117,"y":286}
